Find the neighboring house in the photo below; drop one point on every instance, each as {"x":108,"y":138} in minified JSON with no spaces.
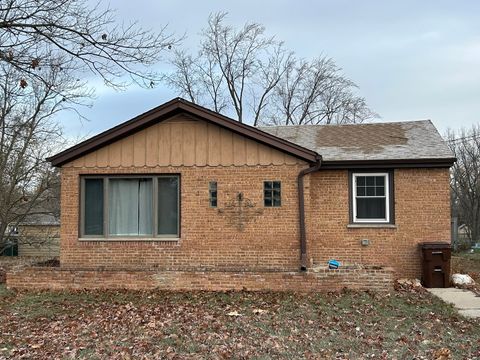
{"x":463,"y":238}
{"x":184,"y":189}
{"x":463,"y":231}
{"x":38,"y":235}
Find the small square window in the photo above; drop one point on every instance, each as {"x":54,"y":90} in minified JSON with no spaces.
{"x":272,"y":194}
{"x":212,"y":191}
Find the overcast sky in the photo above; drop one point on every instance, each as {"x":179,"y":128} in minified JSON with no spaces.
{"x":410,"y":59}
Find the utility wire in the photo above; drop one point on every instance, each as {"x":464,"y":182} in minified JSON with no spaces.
{"x":470,"y":137}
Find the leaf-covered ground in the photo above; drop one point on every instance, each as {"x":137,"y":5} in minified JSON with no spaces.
{"x":188,"y":325}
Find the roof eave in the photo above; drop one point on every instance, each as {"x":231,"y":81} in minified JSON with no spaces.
{"x":389,"y":163}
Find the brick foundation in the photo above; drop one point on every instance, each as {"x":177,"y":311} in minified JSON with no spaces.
{"x":321,"y":280}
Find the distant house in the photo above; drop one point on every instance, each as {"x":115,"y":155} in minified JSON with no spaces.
{"x":197,"y":200}
{"x":37,"y":235}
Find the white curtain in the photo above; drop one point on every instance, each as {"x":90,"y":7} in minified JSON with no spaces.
{"x":130,"y":207}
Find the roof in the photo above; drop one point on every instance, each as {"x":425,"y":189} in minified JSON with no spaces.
{"x":401,"y":142}
{"x":410,"y":143}
{"x":41,"y":220}
{"x":166,"y":111}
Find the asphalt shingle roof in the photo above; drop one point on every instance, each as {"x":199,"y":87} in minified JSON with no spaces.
{"x":41,"y":219}
{"x":409,"y":140}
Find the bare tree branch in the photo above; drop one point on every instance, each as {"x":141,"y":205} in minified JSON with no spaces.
{"x":31,"y":31}
{"x":28,"y":134}
{"x":465,"y":178}
{"x":249,"y":75}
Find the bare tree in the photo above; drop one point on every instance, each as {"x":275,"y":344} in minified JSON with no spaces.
{"x":46,"y":47}
{"x":31,"y":31}
{"x":465,"y":178}
{"x":28,"y":134}
{"x":249,"y":74}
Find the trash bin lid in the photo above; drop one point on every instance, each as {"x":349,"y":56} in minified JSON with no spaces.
{"x":435,"y":245}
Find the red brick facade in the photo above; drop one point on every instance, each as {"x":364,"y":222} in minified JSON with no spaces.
{"x":211,"y":240}
{"x":422,"y":214}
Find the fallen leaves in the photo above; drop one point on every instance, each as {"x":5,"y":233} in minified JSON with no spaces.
{"x":155,"y":324}
{"x":234,"y":314}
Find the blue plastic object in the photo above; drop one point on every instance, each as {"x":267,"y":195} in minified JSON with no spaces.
{"x":333,"y":264}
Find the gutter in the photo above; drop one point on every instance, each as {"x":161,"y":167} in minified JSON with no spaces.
{"x":301,"y":207}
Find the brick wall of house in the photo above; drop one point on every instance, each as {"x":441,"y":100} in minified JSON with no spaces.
{"x":269,"y":241}
{"x":422,"y":214}
{"x":210,"y":238}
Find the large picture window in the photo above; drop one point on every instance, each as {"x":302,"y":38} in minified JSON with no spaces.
{"x":371,"y":197}
{"x":130,"y":206}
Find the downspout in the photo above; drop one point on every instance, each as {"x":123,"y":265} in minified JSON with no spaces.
{"x":301,"y":207}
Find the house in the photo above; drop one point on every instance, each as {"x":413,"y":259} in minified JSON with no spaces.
{"x":38,"y":235}
{"x":182,"y":197}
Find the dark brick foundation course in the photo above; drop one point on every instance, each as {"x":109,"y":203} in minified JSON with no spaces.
{"x":376,"y":279}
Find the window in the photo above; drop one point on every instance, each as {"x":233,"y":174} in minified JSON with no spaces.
{"x":129,"y":206}
{"x":371,"y":197}
{"x":272,"y":195}
{"x":212,"y":191}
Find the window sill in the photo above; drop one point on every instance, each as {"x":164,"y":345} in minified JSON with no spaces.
{"x":372,"y":226}
{"x":166,"y":239}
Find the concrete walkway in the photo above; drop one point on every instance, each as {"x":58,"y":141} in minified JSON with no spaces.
{"x":466,"y":301}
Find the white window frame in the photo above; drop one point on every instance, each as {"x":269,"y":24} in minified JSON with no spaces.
{"x":385,"y":220}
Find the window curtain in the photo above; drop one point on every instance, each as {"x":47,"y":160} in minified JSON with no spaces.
{"x":130,"y":207}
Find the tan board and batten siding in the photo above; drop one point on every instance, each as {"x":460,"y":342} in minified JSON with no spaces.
{"x":181,"y":141}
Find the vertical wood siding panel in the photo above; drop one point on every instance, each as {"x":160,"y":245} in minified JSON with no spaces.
{"x":91,"y":159}
{"x":278,"y":157}
{"x":290,"y":160}
{"x":152,"y":146}
{"x":176,"y":144}
{"x":189,"y":143}
{"x":264,"y":154}
{"x":214,"y":146}
{"x":201,"y":143}
{"x":239,"y":150}
{"x":164,"y":144}
{"x":127,"y":151}
{"x":115,"y":154}
{"x":80,"y":162}
{"x":226,"y":140}
{"x":139,"y":148}
{"x":252,"y":152}
{"x":102,"y":157}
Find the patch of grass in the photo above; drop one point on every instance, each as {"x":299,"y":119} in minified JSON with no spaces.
{"x":88,"y":353}
{"x":4,"y":292}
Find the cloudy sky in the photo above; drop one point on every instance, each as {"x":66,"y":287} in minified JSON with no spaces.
{"x":410,"y":59}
